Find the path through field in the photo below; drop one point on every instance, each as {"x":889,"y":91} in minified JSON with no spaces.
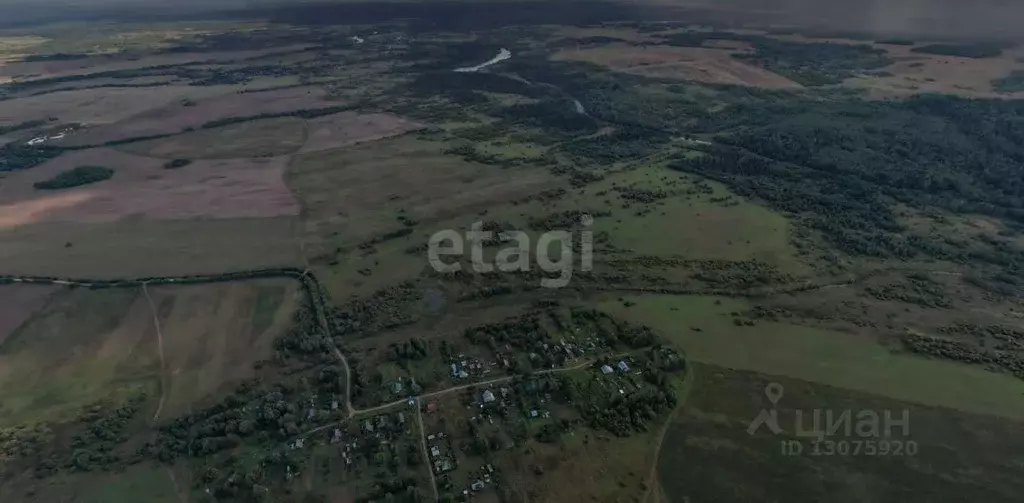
{"x":160,"y":352}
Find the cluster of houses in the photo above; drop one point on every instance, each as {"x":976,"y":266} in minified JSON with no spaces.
{"x":469,"y":367}
{"x":384,"y":424}
{"x":480,"y":483}
{"x":622,"y":367}
{"x":441,"y":460}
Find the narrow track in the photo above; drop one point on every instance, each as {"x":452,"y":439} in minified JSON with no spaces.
{"x":160,"y":352}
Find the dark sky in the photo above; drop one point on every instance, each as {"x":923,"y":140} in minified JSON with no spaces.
{"x":938,"y":18}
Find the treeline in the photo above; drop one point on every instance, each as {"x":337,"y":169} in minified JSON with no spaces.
{"x":978,"y":50}
{"x":308,"y":113}
{"x":962,"y":352}
{"x":20,"y":126}
{"x":56,"y":56}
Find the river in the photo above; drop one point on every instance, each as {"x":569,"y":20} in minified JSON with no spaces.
{"x":506,"y":54}
{"x":502,"y":56}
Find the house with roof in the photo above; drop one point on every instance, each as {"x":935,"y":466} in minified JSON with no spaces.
{"x":488,"y":396}
{"x":606,"y":370}
{"x":622,"y":366}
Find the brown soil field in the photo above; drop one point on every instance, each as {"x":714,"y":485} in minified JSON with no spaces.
{"x":18,"y":303}
{"x":349,"y":128}
{"x":260,"y":138}
{"x":141,"y":187}
{"x":103,"y":105}
{"x":85,"y":345}
{"x":169,"y":117}
{"x":918,"y":73}
{"x":714,"y":66}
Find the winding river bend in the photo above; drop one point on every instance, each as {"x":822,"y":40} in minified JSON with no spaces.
{"x":504,"y":54}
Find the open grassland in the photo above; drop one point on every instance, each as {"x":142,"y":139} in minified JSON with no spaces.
{"x":82,"y":347}
{"x":177,"y":113}
{"x":150,"y":483}
{"x":349,"y":128}
{"x":708,"y":454}
{"x":351,"y":196}
{"x":260,"y":138}
{"x":704,"y":327}
{"x":19,"y":303}
{"x":179,"y":345}
{"x":699,"y":64}
{"x":136,"y":247}
{"x":102,"y":106}
{"x":212,"y":334}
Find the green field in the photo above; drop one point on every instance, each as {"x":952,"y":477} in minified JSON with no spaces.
{"x":832,"y":358}
{"x":708,"y":454}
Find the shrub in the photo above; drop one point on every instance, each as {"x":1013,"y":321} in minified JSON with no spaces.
{"x":177,"y":163}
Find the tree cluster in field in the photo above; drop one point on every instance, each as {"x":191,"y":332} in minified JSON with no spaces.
{"x":387,"y":308}
{"x":896,"y":41}
{"x":17,"y":156}
{"x":739,"y":275}
{"x":976,"y":50}
{"x":21,"y":126}
{"x":75,"y":177}
{"x":626,"y":414}
{"x":624,"y":143}
{"x":1012,"y":83}
{"x":21,"y":442}
{"x":309,"y":113}
{"x":218,"y":77}
{"x":54,"y":56}
{"x":305,"y":339}
{"x":1008,"y":339}
{"x":177,"y":163}
{"x":553,"y":116}
{"x":412,"y":349}
{"x":100,"y":431}
{"x":568,"y":220}
{"x":966,"y":353}
{"x":922,"y":292}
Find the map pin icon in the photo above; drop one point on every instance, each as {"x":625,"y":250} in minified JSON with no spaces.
{"x":774,"y":392}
